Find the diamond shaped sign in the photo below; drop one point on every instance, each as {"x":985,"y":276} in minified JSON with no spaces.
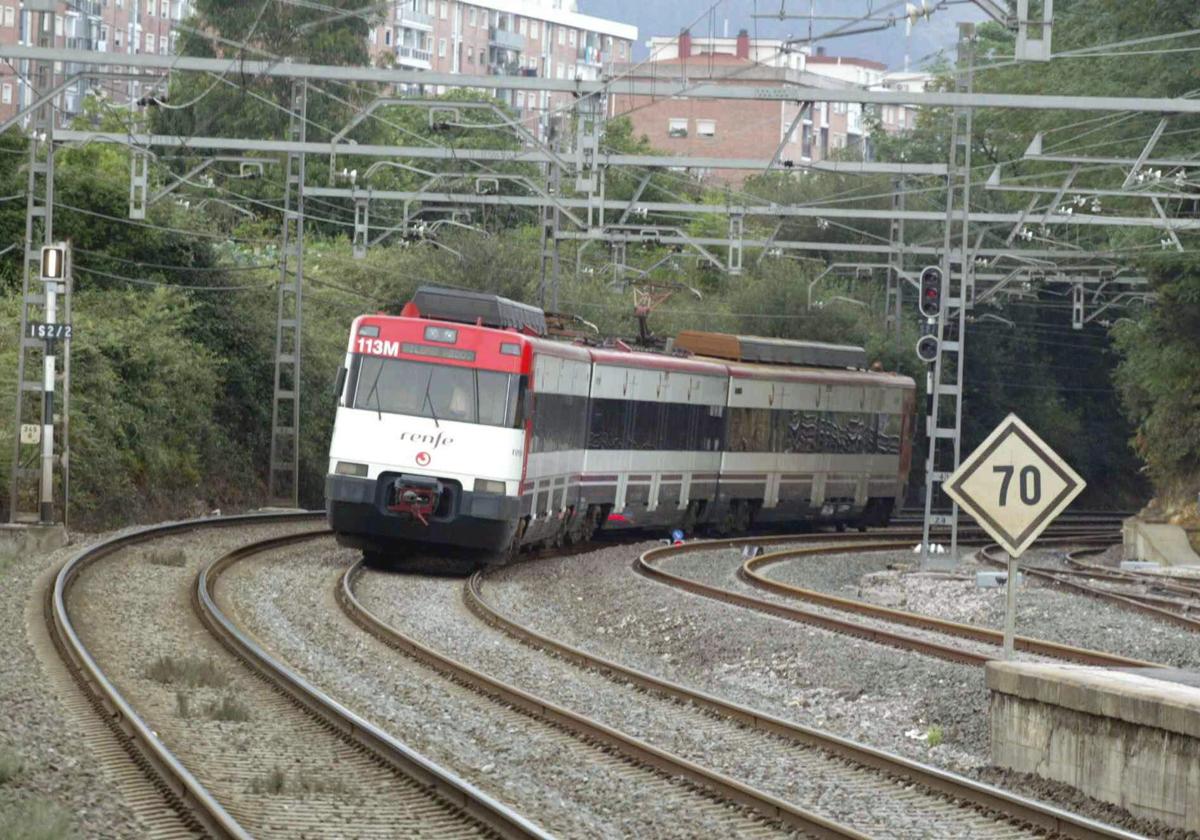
{"x":1014,"y":485}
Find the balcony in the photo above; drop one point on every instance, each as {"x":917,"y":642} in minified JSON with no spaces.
{"x":409,"y":18}
{"x":414,"y":57}
{"x":506,"y":68}
{"x":593,"y":57}
{"x":505,"y":39}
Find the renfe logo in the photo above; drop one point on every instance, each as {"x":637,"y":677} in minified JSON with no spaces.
{"x":423,"y":459}
{"x":433,"y":441}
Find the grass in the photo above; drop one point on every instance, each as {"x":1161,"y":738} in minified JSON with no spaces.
{"x":173,"y":557}
{"x":36,"y":819}
{"x":228,"y":708}
{"x":10,"y":765}
{"x":935,"y":735}
{"x":183,"y":706}
{"x":191,"y":671}
{"x":278,"y":782}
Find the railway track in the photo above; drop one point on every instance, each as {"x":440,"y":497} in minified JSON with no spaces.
{"x":978,"y":810}
{"x":1128,"y":590}
{"x":857,"y":618}
{"x":240,"y":781}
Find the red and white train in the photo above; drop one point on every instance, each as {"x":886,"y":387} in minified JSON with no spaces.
{"x":461,"y":425}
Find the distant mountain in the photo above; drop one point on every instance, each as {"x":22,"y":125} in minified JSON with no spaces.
{"x":889,"y":45}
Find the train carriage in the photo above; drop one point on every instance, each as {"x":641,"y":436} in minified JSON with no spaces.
{"x":461,"y":425}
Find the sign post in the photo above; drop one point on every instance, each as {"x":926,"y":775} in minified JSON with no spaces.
{"x":1014,"y":486}
{"x":54,"y":271}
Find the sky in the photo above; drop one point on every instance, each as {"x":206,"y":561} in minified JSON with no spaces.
{"x":667,"y":17}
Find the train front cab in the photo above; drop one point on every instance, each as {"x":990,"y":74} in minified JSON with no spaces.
{"x":428,"y":439}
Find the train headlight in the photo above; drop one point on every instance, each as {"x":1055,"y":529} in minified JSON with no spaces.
{"x":347,"y":468}
{"x":483,"y":485}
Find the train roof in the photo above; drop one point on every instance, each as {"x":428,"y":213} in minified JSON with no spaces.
{"x":658,"y":361}
{"x":490,"y":310}
{"x":824,"y":376}
{"x":773,"y":351}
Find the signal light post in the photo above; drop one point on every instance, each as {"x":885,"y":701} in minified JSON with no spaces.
{"x":55,"y":269}
{"x":931,"y":291}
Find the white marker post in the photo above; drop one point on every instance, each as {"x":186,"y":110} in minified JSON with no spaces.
{"x":1014,"y":486}
{"x":1010,"y":608}
{"x":54,"y":270}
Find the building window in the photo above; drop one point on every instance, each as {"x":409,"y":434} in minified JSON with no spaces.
{"x":470,"y":55}
{"x":441,"y":47}
{"x":150,"y":9}
{"x":373,"y":37}
{"x":533,"y":29}
{"x":621,"y":49}
{"x":387,"y":37}
{"x":445,"y":10}
{"x":149,"y":42}
{"x":677,"y":127}
{"x":9,"y":16}
{"x":6,"y":94}
{"x":704,"y":128}
{"x":471,"y":18}
{"x":117,"y":39}
{"x":562,"y":36}
{"x":520,"y":99}
{"x":103,"y":30}
{"x":806,"y":142}
{"x":571,"y":36}
{"x":525,"y":27}
{"x":165,"y":9}
{"x":162,"y":45}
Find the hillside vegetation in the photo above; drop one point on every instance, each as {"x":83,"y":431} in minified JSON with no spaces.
{"x":172,"y":361}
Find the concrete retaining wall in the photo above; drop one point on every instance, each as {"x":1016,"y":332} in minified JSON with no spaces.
{"x":1119,"y":737}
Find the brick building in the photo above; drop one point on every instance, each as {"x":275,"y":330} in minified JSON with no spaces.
{"x":542,"y":38}
{"x":137,"y":26}
{"x":750,"y":128}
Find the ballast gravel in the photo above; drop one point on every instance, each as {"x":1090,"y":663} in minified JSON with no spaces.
{"x":54,"y":764}
{"x":927,"y":709}
{"x":887,"y":578}
{"x":286,"y":600}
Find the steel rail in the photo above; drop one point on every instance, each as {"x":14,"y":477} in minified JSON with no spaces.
{"x":183,"y":790}
{"x":439,"y":781}
{"x":984,"y":796}
{"x":987,"y":553}
{"x":711,"y":782}
{"x":752,"y":570}
{"x":645,"y":565}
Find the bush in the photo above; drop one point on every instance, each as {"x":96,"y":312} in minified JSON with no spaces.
{"x":193,"y":672}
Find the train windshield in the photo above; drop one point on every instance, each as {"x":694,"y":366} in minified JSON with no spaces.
{"x":464,"y":395}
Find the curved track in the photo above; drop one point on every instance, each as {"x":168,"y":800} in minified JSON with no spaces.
{"x":980,"y":809}
{"x":1131,"y":587}
{"x":416,"y":794}
{"x":868,"y":621}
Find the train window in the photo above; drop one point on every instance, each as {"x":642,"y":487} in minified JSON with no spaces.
{"x":645,"y":425}
{"x":399,"y":386}
{"x":497,"y":398}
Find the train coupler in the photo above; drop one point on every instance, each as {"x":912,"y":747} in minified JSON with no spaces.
{"x":415,"y":496}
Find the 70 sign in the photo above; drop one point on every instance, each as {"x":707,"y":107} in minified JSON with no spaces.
{"x":1014,"y":485}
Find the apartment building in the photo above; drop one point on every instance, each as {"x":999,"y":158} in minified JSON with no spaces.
{"x":542,"y":38}
{"x":750,"y":128}
{"x":137,"y":26}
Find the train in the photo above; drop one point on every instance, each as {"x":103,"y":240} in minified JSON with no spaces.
{"x":465,"y":428}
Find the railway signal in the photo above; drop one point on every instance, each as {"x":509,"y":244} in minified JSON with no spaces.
{"x":927,"y":348}
{"x":931,"y":291}
{"x":1014,"y":486}
{"x":54,"y":270}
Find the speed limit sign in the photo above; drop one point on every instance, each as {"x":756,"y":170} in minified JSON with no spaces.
{"x":1014,"y":485}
